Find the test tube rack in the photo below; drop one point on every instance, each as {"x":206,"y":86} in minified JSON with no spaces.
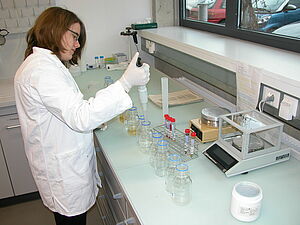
{"x":177,"y":146}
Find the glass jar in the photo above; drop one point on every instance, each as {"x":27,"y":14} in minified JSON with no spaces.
{"x":173,"y":161}
{"x":108,"y":81}
{"x":145,"y":137}
{"x":182,"y":185}
{"x":156,"y":137}
{"x":138,"y":130}
{"x":161,"y":158}
{"x":131,"y":122}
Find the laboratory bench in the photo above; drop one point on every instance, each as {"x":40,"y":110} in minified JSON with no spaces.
{"x":136,"y":192}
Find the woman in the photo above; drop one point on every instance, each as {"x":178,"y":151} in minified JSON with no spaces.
{"x":56,"y":122}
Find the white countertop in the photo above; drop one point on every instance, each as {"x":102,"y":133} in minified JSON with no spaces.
{"x":7,"y":96}
{"x":227,"y":52}
{"x":211,"y":189}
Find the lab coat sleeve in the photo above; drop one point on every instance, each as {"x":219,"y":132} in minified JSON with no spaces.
{"x":59,"y":94}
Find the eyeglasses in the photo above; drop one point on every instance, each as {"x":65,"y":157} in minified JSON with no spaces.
{"x":75,"y":35}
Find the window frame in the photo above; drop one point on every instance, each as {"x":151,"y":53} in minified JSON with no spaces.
{"x":231,"y":28}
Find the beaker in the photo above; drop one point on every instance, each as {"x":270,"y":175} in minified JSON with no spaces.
{"x":145,"y":137}
{"x":131,"y":122}
{"x":161,"y":158}
{"x":156,"y":137}
{"x":173,"y":161}
{"x":138,"y":130}
{"x":108,"y":81}
{"x":182,"y":185}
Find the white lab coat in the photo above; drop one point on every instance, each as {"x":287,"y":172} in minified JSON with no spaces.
{"x":57,"y":126}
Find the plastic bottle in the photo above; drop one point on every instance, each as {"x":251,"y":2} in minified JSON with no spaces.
{"x":101,"y":62}
{"x":96,"y":63}
{"x":173,"y":161}
{"x":131,"y":122}
{"x":156,"y":137}
{"x":182,"y":185}
{"x":145,"y":138}
{"x":161,"y":158}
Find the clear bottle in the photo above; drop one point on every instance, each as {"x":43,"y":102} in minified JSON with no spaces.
{"x":173,"y":161}
{"x":138,"y":130}
{"x":108,"y":81}
{"x":156,"y":137}
{"x":131,"y":122}
{"x":145,"y":138}
{"x":96,"y":63}
{"x":182,"y":185}
{"x":101,"y":62}
{"x":161,"y":158}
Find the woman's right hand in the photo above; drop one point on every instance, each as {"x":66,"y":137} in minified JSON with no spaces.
{"x":135,"y":76}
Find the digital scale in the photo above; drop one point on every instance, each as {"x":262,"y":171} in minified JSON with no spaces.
{"x":253,"y":143}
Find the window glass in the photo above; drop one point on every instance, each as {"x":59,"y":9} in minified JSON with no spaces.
{"x":212,"y":11}
{"x":278,"y":17}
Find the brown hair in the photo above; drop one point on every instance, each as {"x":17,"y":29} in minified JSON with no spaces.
{"x":49,"y":29}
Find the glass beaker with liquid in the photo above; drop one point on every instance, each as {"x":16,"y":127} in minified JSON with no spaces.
{"x":131,"y":122}
{"x":145,"y":137}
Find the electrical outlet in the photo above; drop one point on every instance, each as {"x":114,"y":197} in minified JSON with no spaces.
{"x":269,"y":92}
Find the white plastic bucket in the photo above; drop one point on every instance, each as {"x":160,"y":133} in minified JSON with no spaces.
{"x":246,"y":201}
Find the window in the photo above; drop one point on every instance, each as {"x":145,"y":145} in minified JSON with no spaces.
{"x":270,"y":22}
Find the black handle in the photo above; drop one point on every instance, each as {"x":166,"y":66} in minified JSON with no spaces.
{"x":138,"y":62}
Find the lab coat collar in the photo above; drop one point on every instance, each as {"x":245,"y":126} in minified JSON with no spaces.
{"x":49,"y":54}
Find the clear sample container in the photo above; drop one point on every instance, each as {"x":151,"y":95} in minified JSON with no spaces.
{"x":145,"y":137}
{"x":108,"y":81}
{"x":182,"y":185}
{"x":173,"y":161}
{"x":161,"y":158}
{"x":138,"y":130}
{"x":156,"y":137}
{"x":101,"y":62}
{"x":131,"y":122}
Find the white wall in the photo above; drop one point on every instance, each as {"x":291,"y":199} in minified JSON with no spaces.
{"x":104,"y":20}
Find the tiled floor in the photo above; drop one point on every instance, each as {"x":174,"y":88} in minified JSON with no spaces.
{"x":35,"y":213}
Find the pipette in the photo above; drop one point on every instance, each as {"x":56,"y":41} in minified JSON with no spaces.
{"x":143,"y":93}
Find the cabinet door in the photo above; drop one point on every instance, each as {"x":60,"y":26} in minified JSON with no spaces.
{"x":14,"y":153}
{"x":5,"y":185}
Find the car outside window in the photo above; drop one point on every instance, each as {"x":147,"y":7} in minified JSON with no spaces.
{"x":254,"y":20}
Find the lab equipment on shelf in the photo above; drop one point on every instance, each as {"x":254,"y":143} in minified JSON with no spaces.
{"x":96,"y":63}
{"x":182,"y":185}
{"x":156,"y":137}
{"x":173,"y":161}
{"x":186,"y":140}
{"x":161,"y":158}
{"x":192,"y":145}
{"x":131,"y":122}
{"x":145,"y":137}
{"x":101,"y":62}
